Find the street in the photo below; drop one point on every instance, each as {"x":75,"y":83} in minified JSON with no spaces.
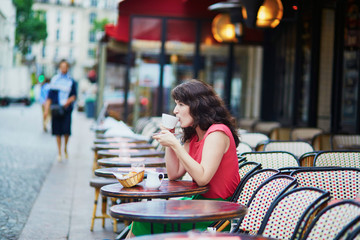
{"x":26,"y":155}
{"x":41,"y":198}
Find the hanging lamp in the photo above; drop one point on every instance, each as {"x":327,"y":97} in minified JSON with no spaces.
{"x":262,"y":13}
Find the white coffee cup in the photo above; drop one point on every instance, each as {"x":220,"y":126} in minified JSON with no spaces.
{"x":169,"y":121}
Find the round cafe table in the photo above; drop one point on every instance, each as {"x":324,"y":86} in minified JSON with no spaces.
{"x":193,"y":235}
{"x":117,"y":140}
{"x":127,"y":161}
{"x":178,"y":211}
{"x":168,"y":189}
{"x":98,"y":147}
{"x":130,"y":153}
{"x":108,"y":172}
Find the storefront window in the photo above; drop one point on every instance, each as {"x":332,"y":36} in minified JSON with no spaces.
{"x":144,"y":77}
{"x":180,"y":50}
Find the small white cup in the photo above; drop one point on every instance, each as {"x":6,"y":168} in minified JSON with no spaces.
{"x":169,"y":121}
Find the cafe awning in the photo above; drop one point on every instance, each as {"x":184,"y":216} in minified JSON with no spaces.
{"x":175,"y":8}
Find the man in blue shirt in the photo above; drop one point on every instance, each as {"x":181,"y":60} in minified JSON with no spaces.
{"x":62,"y":93}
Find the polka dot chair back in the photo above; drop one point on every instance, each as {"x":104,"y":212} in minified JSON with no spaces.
{"x":275,"y":159}
{"x":290,"y":212}
{"x":337,"y":159}
{"x":248,"y":185}
{"x":297,"y":148}
{"x":342,"y":183}
{"x":333,"y":220}
{"x":261,"y":201}
{"x":248,"y":167}
{"x":354,"y":235}
{"x":345,"y":142}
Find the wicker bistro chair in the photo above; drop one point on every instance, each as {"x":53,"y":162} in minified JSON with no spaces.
{"x":304,"y":134}
{"x":280,"y":133}
{"x":322,"y":142}
{"x":260,"y":146}
{"x":349,"y":230}
{"x":248,"y":185}
{"x":248,"y":168}
{"x":265,"y":127}
{"x":333,"y":221}
{"x":288,"y":215}
{"x":337,"y":159}
{"x":345,"y":142}
{"x":243,"y":147}
{"x":354,"y":235}
{"x":342,"y":183}
{"x":245,"y":170}
{"x":247,"y":124}
{"x":307,"y":159}
{"x":274,"y":159}
{"x":297,"y":148}
{"x":245,"y":190}
{"x":253,"y":138}
{"x":261,"y":200}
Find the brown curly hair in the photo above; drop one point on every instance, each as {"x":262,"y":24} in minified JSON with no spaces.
{"x":206,"y":107}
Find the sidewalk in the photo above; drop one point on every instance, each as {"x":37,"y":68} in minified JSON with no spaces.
{"x":64,"y":205}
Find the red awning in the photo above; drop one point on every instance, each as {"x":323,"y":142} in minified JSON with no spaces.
{"x":164,"y":8}
{"x":179,"y":31}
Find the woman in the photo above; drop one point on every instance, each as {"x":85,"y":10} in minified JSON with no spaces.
{"x":209,"y":150}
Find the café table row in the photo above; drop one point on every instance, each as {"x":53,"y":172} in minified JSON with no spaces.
{"x":120,"y":154}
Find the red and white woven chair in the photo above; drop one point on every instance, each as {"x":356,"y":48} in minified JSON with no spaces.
{"x":345,"y":142}
{"x":297,"y":148}
{"x":333,"y":221}
{"x":242,"y":148}
{"x":354,"y":235}
{"x":304,"y":133}
{"x":252,"y":139}
{"x":289,"y":214}
{"x":342,"y":183}
{"x":275,"y":159}
{"x":248,"y":168}
{"x":246,"y":189}
{"x":248,"y":185}
{"x":261,"y":200}
{"x":337,"y":159}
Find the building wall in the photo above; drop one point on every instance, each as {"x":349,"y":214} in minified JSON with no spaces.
{"x":7,"y":33}
{"x":69,"y":27}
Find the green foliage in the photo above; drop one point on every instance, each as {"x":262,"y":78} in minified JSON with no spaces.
{"x":30,"y":25}
{"x":99,"y":25}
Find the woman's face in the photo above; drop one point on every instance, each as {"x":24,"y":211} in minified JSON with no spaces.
{"x":182,"y":111}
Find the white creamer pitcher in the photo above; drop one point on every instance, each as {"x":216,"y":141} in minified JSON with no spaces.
{"x":153,"y":179}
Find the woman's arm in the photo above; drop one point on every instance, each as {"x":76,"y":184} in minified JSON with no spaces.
{"x":215,"y":145}
{"x":174,"y":168}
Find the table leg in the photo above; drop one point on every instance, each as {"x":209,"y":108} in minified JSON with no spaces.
{"x":123,"y":233}
{"x":151,"y":228}
{"x":179,"y":227}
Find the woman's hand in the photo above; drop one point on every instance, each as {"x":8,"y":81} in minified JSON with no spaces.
{"x":166,"y":138}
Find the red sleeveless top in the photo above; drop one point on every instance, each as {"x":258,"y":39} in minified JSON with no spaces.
{"x":226,"y":178}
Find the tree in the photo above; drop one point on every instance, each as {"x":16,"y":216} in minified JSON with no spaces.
{"x":99,"y":25}
{"x":30,"y":25}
